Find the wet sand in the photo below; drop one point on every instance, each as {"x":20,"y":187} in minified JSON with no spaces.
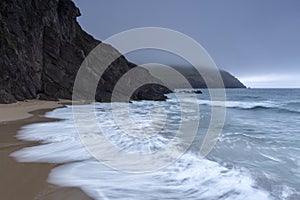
{"x":27,"y":181}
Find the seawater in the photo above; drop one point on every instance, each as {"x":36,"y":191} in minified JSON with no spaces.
{"x":257,"y":155}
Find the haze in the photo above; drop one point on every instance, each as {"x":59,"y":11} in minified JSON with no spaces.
{"x":257,"y":41}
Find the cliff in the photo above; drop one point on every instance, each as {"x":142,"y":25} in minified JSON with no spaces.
{"x":197,"y":81}
{"x":41,"y":49}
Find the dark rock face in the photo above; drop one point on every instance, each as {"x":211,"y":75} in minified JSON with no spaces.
{"x":6,"y":98}
{"x":42,"y":47}
{"x":146,"y":93}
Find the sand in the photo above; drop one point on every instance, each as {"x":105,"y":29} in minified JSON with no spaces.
{"x":21,"y":110}
{"x":27,"y":181}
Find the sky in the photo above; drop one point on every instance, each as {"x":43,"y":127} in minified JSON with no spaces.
{"x":257,"y":41}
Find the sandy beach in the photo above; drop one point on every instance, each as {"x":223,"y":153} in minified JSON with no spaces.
{"x":27,"y":181}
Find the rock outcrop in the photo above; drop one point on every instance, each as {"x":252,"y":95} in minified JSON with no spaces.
{"x":6,"y":98}
{"x":42,"y":47}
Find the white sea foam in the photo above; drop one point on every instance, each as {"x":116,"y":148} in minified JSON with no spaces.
{"x":239,"y":104}
{"x":187,"y":178}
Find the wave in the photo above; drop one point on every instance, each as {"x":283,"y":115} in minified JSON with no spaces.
{"x":293,"y":103}
{"x":187,"y":178}
{"x":263,"y":105}
{"x":239,"y":104}
{"x":288,"y":110}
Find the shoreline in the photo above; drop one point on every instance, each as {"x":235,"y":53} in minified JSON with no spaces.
{"x":24,"y":109}
{"x":28,"y":180}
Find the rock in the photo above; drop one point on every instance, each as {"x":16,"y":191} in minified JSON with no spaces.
{"x":6,"y":98}
{"x":45,"y":97}
{"x":42,"y":47}
{"x":195,"y":91}
{"x":153,"y":92}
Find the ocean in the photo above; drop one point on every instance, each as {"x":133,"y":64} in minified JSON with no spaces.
{"x":257,"y":155}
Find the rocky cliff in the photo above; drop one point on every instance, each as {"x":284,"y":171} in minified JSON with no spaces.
{"x":197,"y":81}
{"x":41,"y":49}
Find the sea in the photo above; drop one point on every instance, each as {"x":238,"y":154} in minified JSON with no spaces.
{"x":256,"y":155}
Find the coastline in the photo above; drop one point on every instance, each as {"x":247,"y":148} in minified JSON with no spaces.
{"x":23,"y":109}
{"x":28,"y":180}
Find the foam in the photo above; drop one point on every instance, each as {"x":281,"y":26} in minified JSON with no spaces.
{"x":187,"y":178}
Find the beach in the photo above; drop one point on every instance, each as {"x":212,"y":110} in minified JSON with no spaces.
{"x":255,"y":158}
{"x":27,"y":180}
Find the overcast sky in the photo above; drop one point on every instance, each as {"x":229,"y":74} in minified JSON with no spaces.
{"x":256,"y":40}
